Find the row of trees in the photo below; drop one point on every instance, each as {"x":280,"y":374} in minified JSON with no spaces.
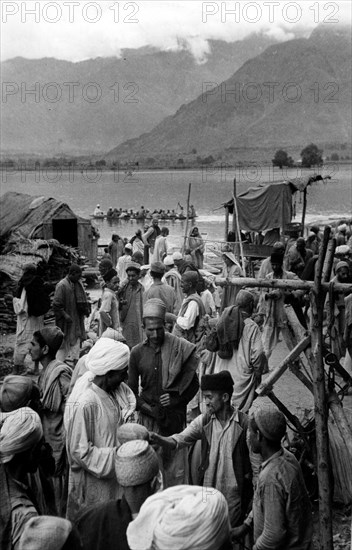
{"x":310,"y":155}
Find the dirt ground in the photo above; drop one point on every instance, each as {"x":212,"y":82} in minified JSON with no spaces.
{"x":293,"y":394}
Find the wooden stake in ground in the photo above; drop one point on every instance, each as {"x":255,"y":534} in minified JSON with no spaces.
{"x":238,"y":230}
{"x":317,"y":296}
{"x":187,"y":217}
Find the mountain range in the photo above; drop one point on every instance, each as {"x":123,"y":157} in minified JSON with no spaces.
{"x":291,"y":94}
{"x":91,"y":106}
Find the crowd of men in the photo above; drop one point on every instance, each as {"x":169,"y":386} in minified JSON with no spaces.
{"x":146,"y":436}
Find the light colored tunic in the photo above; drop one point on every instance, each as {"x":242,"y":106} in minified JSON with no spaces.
{"x":173,"y":279}
{"x":109,"y":309}
{"x":26,"y":325}
{"x":220,"y":472}
{"x":121,"y":266}
{"x":246,"y":365}
{"x":160,"y":249}
{"x":91,"y":421}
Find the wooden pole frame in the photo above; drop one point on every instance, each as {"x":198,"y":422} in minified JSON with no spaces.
{"x":187,"y":217}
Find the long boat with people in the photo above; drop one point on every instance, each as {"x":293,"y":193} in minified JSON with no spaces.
{"x":144,"y":213}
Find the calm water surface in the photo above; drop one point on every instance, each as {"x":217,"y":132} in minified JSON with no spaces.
{"x":165,"y":189}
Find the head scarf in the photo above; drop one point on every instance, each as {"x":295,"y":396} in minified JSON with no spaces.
{"x":15,"y":392}
{"x":181,"y":517}
{"x":244,"y":298}
{"x":342,"y":249}
{"x":45,"y":533}
{"x":114,"y":334}
{"x":131,"y":431}
{"x":20,"y":431}
{"x":107,"y":355}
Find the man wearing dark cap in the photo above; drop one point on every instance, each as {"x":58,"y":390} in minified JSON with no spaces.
{"x":192,"y":309}
{"x":162,"y":375}
{"x":130,"y":298}
{"x":265,"y":267}
{"x":225,"y":463}
{"x":70,"y":306}
{"x":282,"y":515}
{"x":54,"y":382}
{"x":161,"y":290}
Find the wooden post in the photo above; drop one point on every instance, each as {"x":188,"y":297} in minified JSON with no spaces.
{"x":304,"y":210}
{"x":329,"y":260}
{"x":226,"y":223}
{"x":187,"y":217}
{"x":239,"y":233}
{"x":268,"y":383}
{"x":234,"y":194}
{"x":321,"y":408}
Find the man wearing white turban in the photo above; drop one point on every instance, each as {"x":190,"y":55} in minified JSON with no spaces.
{"x":180,"y":518}
{"x":20,"y":435}
{"x":99,"y":403}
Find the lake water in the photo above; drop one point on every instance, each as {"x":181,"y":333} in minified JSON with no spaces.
{"x":82,"y":191}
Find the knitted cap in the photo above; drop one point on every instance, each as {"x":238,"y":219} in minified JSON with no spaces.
{"x":136,"y":463}
{"x":154,"y":308}
{"x":157,"y":267}
{"x":340,"y":265}
{"x":131,"y":432}
{"x":133,"y":266}
{"x":169,"y":260}
{"x":222,"y":381}
{"x":177,"y":256}
{"x":271,"y":422}
{"x":15,"y":392}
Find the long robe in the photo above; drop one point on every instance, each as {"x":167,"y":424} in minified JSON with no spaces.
{"x":246,"y":365}
{"x":26,"y":325}
{"x":173,"y":279}
{"x":64,"y":305}
{"x":91,"y":421}
{"x":131,"y":313}
{"x":109,"y":307}
{"x":229,"y":292}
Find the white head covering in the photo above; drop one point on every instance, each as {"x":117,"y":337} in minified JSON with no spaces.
{"x":20,"y":431}
{"x":168,"y":260}
{"x":181,"y":517}
{"x":107,"y":355}
{"x":45,"y":533}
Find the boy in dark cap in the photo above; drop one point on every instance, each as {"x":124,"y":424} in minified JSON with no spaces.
{"x":225,"y":463}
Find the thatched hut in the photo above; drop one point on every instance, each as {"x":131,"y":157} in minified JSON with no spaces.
{"x":31,"y":217}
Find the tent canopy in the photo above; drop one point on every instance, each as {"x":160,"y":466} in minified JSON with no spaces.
{"x":268,"y":205}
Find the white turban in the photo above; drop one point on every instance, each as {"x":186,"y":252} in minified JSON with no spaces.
{"x":180,"y":518}
{"x":20,"y":430}
{"x":107,"y":355}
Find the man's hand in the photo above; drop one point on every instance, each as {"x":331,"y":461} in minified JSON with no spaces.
{"x":165,"y":400}
{"x":157,"y":439}
{"x":239,"y":532}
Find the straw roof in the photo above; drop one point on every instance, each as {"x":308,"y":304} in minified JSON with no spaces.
{"x":25,"y":214}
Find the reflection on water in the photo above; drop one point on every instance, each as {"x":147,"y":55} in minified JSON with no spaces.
{"x":165,"y":189}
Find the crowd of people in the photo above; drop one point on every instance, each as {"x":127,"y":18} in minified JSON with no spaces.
{"x":146,"y":435}
{"x":144,"y":213}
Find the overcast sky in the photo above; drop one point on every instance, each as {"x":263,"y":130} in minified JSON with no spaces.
{"x":74,"y":30}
